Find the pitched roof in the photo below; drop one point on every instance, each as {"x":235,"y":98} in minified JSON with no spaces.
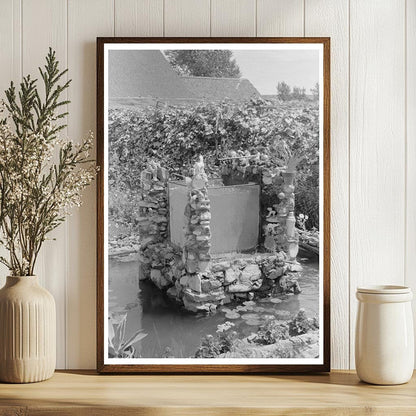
{"x":215,"y":89}
{"x":144,"y":77}
{"x":143,"y":73}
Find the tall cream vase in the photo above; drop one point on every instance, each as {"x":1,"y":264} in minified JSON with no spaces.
{"x":27,"y":331}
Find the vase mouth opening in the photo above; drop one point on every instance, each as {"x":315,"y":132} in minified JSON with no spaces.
{"x":23,"y":277}
{"x":384,"y":289}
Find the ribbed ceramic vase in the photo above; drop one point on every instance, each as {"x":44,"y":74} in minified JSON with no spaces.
{"x":27,"y":331}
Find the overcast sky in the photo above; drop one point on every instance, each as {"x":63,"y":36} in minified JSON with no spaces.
{"x":266,"y":68}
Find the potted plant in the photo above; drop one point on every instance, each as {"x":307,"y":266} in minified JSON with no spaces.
{"x":119,"y":346}
{"x":41,"y":177}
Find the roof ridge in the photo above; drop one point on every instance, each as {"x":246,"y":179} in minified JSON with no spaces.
{"x":236,"y":79}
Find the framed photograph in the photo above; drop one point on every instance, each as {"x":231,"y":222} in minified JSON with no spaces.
{"x":213,"y":205}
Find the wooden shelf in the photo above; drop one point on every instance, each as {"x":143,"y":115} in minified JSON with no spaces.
{"x":86,"y":393}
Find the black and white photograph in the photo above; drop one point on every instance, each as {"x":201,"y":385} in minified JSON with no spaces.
{"x":213,"y":203}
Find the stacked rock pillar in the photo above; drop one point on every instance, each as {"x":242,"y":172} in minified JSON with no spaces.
{"x":202,"y":289}
{"x":292,"y":237}
{"x":280,"y":230}
{"x":154,"y":203}
{"x":197,"y":228}
{"x":153,"y":220}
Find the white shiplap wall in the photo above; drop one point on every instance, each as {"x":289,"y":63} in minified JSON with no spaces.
{"x":373,"y":131}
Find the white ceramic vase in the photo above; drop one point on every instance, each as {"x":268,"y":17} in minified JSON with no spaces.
{"x":384,"y":352}
{"x":27,"y":331}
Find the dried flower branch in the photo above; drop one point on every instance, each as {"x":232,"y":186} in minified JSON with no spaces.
{"x":37,"y":189}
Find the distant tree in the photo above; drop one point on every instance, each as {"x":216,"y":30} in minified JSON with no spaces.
{"x":315,"y":92}
{"x":299,"y":93}
{"x":204,"y":63}
{"x":283,"y":91}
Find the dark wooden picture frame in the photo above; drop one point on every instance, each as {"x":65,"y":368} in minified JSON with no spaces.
{"x":102,"y":367}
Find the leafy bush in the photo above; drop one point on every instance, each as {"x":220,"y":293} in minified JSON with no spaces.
{"x":301,"y":324}
{"x":176,"y":135}
{"x":226,"y":341}
{"x":270,"y":332}
{"x":212,"y":347}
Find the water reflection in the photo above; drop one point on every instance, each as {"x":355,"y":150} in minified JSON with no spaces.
{"x":173,"y":331}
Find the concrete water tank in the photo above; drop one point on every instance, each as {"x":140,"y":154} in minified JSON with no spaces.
{"x":235,"y":213}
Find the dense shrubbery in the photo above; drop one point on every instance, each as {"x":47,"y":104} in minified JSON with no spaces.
{"x":269,"y":332}
{"x":175,"y":136}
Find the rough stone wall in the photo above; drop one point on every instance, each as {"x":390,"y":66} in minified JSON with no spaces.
{"x":278,"y":219}
{"x":238,"y":278}
{"x":153,"y":220}
{"x":191,"y":276}
{"x":156,"y":253}
{"x":197,"y":228}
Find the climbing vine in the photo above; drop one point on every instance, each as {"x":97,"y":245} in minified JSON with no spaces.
{"x":176,"y":135}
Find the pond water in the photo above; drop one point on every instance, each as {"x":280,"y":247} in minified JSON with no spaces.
{"x":173,"y":331}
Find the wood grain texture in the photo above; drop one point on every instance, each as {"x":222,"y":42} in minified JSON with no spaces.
{"x":330,"y":18}
{"x":280,"y":18}
{"x":410,"y":279}
{"x":233,"y":18}
{"x":81,"y":285}
{"x":187,"y":18}
{"x":377,"y":147}
{"x":214,"y":368}
{"x":138,"y":17}
{"x":378,"y":128}
{"x":44,"y":26}
{"x":85,"y":393}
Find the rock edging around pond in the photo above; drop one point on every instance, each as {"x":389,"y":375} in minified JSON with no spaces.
{"x":225,"y":279}
{"x":300,"y":346}
{"x":297,"y":337}
{"x":190,"y":274}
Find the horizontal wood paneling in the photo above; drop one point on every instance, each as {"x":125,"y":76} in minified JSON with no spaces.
{"x":373,"y":141}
